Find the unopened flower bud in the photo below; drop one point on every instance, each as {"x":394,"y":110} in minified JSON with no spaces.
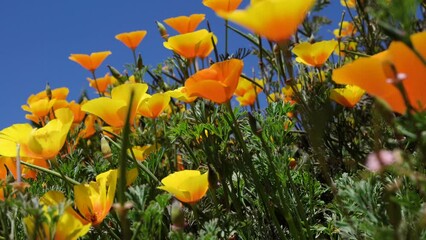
{"x":48,"y":91}
{"x":162,"y":30}
{"x":105,"y":148}
{"x":177,"y":216}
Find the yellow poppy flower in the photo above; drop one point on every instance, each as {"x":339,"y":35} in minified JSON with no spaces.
{"x":272,"y":19}
{"x":185,"y":24}
{"x":181,"y":94}
{"x":316,"y":54}
{"x":113,"y":110}
{"x":217,"y":83}
{"x":131,"y":39}
{"x":351,"y":46}
{"x":349,"y":3}
{"x":188,"y":186}
{"x":58,"y":94}
{"x":41,"y":143}
{"x":94,"y":200}
{"x":193,"y":44}
{"x":38,"y":109}
{"x":154,"y":105}
{"x":222,"y":5}
{"x":378,"y":74}
{"x":90,"y":62}
{"x":68,"y":224}
{"x":141,"y":153}
{"x":348,"y":96}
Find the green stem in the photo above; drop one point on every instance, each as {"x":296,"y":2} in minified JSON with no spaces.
{"x":247,"y":158}
{"x":54,"y":173}
{"x":96,"y":84}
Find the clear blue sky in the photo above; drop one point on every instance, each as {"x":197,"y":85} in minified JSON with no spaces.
{"x":37,"y":38}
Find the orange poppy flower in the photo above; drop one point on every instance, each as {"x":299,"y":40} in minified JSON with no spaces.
{"x":131,"y":39}
{"x":378,"y":74}
{"x":222,"y":5}
{"x":347,"y":29}
{"x":185,"y":24}
{"x":316,"y":54}
{"x":217,"y":83}
{"x":193,"y":44}
{"x":76,"y":110}
{"x":348,"y":96}
{"x":274,"y":20}
{"x":101,"y":84}
{"x":90,"y":62}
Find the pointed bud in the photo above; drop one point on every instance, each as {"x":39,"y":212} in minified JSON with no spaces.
{"x":140,"y":62}
{"x":162,"y":30}
{"x":115,"y":73}
{"x":48,"y":91}
{"x":105,"y":148}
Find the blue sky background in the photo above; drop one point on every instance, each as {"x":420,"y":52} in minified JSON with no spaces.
{"x":37,"y":38}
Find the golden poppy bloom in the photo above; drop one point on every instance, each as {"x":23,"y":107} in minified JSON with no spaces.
{"x":274,"y":20}
{"x":113,"y":110}
{"x":68,"y":225}
{"x":131,"y":39}
{"x":57,"y":93}
{"x":347,"y":29}
{"x":222,"y":5}
{"x":142,"y":152}
{"x":217,"y":83}
{"x":348,"y":96}
{"x":247,"y":91}
{"x":181,"y":95}
{"x":316,"y":54}
{"x":185,"y":24}
{"x":153,"y":106}
{"x":90,"y":62}
{"x":94,"y":200}
{"x":193,"y":44}
{"x":188,"y":186}
{"x":101,"y":84}
{"x":38,"y":109}
{"x":379,"y":74}
{"x":41,"y":143}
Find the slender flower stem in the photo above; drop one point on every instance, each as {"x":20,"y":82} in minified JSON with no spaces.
{"x":96,"y":84}
{"x":18,"y":163}
{"x":226,"y":39}
{"x":255,"y":175}
{"x":54,"y":173}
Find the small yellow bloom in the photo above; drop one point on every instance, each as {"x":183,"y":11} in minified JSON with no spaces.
{"x":113,"y":110}
{"x":39,"y":109}
{"x":349,"y":3}
{"x":217,"y":83}
{"x":153,"y":106}
{"x":181,"y":94}
{"x":316,"y":54}
{"x":193,"y":44}
{"x":185,"y":24}
{"x":348,"y":96}
{"x":222,"y":5}
{"x":272,"y":19}
{"x":90,"y":62}
{"x":67,"y":225}
{"x":94,"y":200}
{"x":188,"y":186}
{"x":131,"y":39}
{"x":378,"y":74}
{"x":141,"y":153}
